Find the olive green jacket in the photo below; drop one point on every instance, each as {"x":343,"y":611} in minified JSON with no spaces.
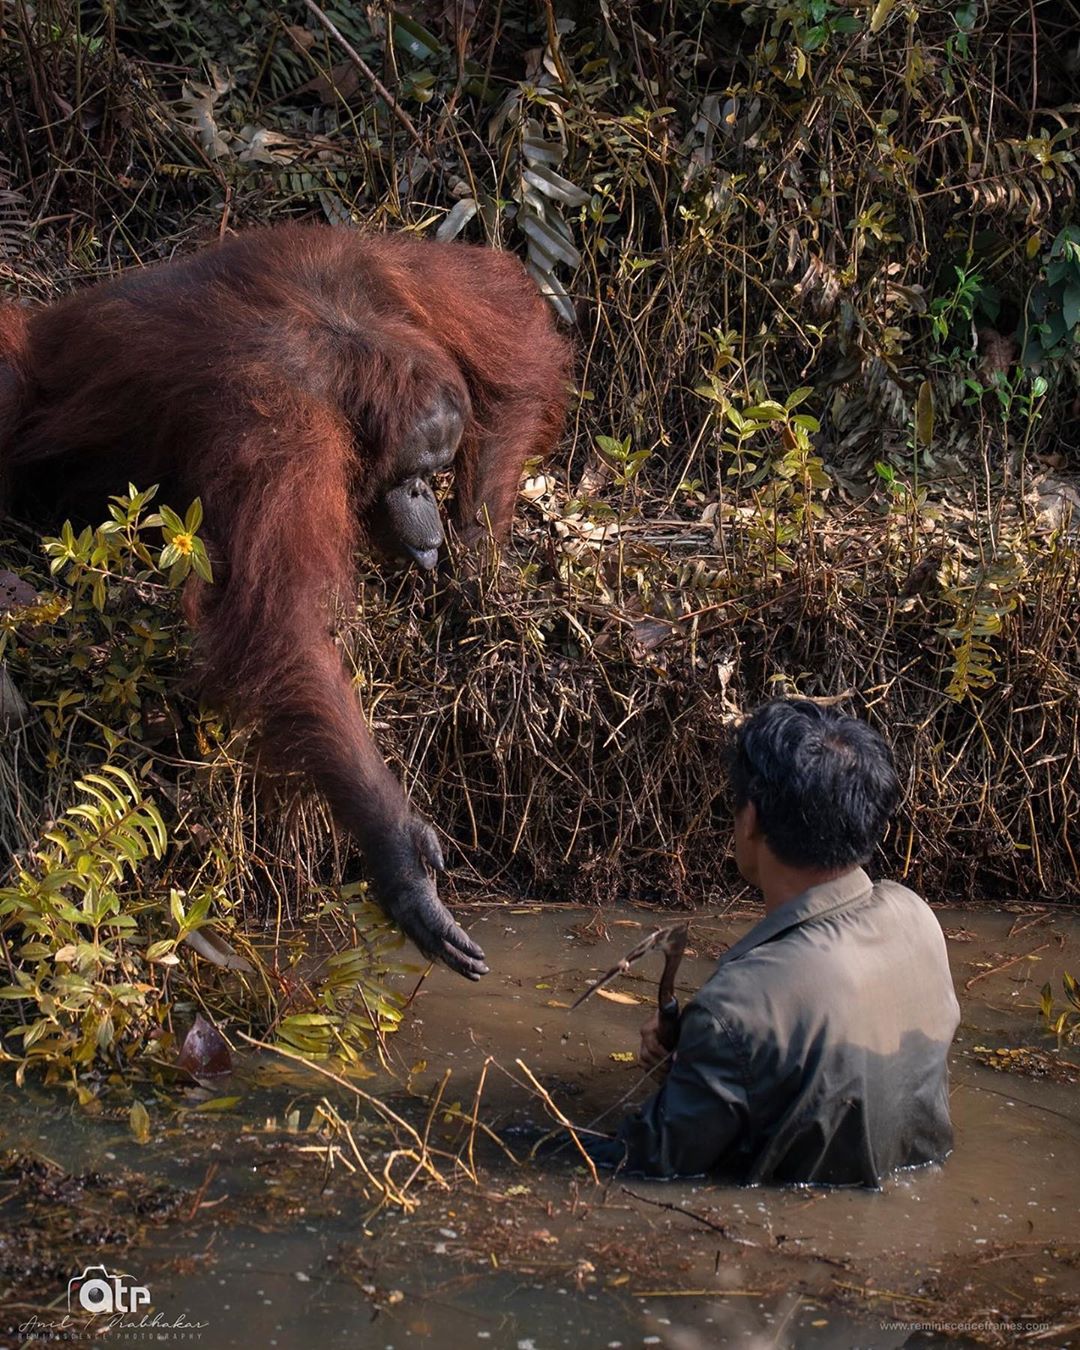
{"x":816,"y":1052}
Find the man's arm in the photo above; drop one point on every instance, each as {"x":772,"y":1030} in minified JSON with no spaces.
{"x":701,"y":1113}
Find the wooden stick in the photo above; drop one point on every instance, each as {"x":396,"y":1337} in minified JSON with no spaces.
{"x":373,"y":79}
{"x":996,"y":970}
{"x":545,"y":1097}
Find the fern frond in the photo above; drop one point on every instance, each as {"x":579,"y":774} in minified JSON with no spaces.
{"x":112,"y":831}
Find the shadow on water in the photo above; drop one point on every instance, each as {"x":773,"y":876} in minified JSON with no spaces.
{"x":246,"y":1221}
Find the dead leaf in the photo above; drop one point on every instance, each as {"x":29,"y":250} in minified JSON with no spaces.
{"x":217,"y":1104}
{"x":924,"y":413}
{"x":216,"y":950}
{"x":615,"y":996}
{"x":652,"y":633}
{"x":205,"y":1052}
{"x":881,"y":12}
{"x":139,"y":1121}
{"x":15,"y":593}
{"x":14,"y":710}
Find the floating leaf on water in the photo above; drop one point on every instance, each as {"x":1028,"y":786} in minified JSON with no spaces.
{"x":139,"y":1120}
{"x":217,"y":1104}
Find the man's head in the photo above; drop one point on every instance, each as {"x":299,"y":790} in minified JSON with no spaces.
{"x":812,"y":786}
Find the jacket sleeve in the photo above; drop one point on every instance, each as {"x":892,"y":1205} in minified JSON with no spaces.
{"x":697,"y":1121}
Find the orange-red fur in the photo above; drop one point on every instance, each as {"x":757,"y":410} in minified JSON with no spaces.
{"x":274,"y":376}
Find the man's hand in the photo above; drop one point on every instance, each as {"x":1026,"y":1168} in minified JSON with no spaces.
{"x":653,"y":1053}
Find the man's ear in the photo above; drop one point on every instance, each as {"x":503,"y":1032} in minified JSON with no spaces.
{"x":751,"y":823}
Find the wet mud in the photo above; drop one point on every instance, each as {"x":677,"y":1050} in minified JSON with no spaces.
{"x":249,"y":1220}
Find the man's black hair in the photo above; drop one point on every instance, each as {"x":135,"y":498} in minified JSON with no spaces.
{"x":823,"y":783}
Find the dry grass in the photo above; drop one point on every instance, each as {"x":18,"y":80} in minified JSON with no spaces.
{"x":575,"y":748}
{"x":758,"y":207}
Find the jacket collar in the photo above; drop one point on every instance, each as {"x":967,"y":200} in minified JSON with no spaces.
{"x":815,"y":903}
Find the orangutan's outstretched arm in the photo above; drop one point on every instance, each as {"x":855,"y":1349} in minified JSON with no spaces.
{"x":284,"y":525}
{"x":316,"y":721}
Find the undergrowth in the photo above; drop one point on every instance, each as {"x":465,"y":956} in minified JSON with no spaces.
{"x":119,"y":915}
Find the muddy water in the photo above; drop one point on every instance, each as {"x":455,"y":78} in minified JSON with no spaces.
{"x":272,"y":1244}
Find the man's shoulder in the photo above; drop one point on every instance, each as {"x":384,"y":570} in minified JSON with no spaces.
{"x":890,"y":913}
{"x":916,"y":912}
{"x":896,"y":890}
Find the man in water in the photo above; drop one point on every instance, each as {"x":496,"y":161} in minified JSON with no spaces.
{"x":817,"y":1051}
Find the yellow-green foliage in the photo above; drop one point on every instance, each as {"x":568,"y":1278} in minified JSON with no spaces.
{"x":81,"y":985}
{"x":120,"y":911}
{"x":1064,"y":1023}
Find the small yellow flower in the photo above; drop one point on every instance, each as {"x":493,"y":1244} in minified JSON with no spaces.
{"x":183,"y":543}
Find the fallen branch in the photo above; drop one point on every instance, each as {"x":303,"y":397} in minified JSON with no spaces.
{"x":996,"y":970}
{"x":373,"y":79}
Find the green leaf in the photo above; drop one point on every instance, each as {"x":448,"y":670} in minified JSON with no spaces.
{"x":201,"y":563}
{"x":768,"y":410}
{"x":1070,"y":306}
{"x":413,"y":38}
{"x":171,"y":520}
{"x":179,"y":570}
